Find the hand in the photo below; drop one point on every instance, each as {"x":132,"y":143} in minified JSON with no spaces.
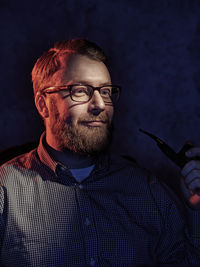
{"x":191,"y":178}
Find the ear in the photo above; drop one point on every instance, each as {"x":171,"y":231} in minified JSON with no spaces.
{"x":40,"y":102}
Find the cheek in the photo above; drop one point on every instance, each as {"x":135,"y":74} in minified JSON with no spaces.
{"x":110,"y":112}
{"x":63,"y":109}
{"x":78,"y":111}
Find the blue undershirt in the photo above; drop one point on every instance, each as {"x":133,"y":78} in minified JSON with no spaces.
{"x":82,"y":173}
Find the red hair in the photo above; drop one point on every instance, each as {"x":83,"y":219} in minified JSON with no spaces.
{"x":50,"y":61}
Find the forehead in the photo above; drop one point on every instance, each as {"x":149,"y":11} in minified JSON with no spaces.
{"x":78,"y":68}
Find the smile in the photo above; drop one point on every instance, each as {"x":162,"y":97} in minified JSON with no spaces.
{"x":94,"y":123}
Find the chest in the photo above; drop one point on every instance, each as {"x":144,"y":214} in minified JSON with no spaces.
{"x":57,"y":225}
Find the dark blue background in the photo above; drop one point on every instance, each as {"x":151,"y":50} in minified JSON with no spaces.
{"x":154,"y":47}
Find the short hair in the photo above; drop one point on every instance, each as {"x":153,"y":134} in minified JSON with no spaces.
{"x":49,"y":62}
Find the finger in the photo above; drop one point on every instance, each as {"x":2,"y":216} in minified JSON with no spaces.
{"x":194,"y":200}
{"x":194,"y":174}
{"x":194,"y":186}
{"x":185,"y":189}
{"x":193,"y":152}
{"x":191,"y":165}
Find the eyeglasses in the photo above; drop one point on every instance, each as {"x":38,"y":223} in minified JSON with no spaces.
{"x":83,"y":92}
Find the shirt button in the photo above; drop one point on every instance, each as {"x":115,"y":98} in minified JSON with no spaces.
{"x":87,"y":222}
{"x":62,"y":168}
{"x":92,"y":262}
{"x":81,"y":186}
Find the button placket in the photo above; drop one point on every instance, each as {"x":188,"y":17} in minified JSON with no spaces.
{"x":89,"y":231}
{"x":87,"y":221}
{"x":92,"y":262}
{"x":81,"y":186}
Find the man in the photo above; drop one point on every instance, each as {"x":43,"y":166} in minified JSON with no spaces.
{"x":68,"y":202}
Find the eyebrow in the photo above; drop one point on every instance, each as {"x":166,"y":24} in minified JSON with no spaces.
{"x":89,"y":83}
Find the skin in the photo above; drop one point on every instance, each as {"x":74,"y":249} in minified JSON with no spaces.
{"x":191,"y":181}
{"x":94,"y":115}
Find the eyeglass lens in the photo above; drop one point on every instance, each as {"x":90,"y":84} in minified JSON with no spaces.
{"x":81,"y":93}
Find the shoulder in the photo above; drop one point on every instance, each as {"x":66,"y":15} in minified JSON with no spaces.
{"x":18,"y":165}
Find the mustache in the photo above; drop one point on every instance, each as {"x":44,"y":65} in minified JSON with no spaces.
{"x":90,"y":118}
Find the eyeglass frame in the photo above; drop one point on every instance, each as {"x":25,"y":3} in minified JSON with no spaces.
{"x":69,"y":88}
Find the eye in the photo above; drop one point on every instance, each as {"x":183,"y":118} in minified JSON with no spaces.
{"x":79,"y":90}
{"x":106,"y":91}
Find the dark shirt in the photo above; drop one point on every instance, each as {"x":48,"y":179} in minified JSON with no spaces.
{"x":118,"y":216}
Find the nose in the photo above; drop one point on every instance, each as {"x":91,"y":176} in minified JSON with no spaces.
{"x":97,"y":104}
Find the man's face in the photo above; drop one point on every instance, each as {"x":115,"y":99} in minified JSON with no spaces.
{"x":84,"y":128}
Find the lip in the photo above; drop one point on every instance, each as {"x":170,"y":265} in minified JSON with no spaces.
{"x":94,"y":123}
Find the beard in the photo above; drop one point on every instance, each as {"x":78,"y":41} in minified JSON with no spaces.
{"x":79,"y":137}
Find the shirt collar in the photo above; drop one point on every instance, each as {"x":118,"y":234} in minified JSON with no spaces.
{"x":44,"y":155}
{"x":100,"y":164}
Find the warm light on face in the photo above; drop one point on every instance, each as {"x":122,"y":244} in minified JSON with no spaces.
{"x":80,"y":126}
